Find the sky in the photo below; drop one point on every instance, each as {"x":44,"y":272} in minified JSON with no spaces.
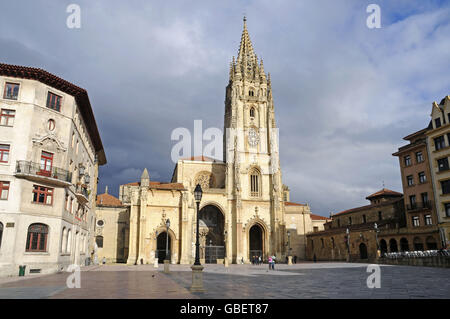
{"x":345,"y":95}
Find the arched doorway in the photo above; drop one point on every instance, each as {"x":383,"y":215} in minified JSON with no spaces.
{"x":383,"y":246}
{"x":404,"y":246}
{"x":161,"y":243}
{"x":431,"y":243}
{"x":256,"y":241}
{"x":418,"y":244}
{"x":212,"y":241}
{"x":393,"y":246}
{"x":362,"y":251}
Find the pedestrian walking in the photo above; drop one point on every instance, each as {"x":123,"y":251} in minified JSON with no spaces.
{"x":270,"y":262}
{"x":104,"y":260}
{"x":273,"y":262}
{"x":295,"y":259}
{"x":259,"y":260}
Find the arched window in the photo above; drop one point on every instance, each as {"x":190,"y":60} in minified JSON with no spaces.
{"x":255,"y":183}
{"x":383,"y":246}
{"x":393,"y":245}
{"x":431,"y":243}
{"x":404,"y":245}
{"x":69,"y":241}
{"x":332,"y":242}
{"x":99,"y":241}
{"x":251,"y":93}
{"x":418,"y":244}
{"x":252,"y":112}
{"x":64,"y":240}
{"x":1,"y":234}
{"x":37,"y":237}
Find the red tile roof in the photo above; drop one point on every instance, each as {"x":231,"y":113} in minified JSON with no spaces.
{"x":317,"y":217}
{"x":159,"y":185}
{"x":293,"y":204}
{"x":80,"y":95}
{"x":385,"y":192}
{"x":357,"y":209}
{"x":108,"y":200}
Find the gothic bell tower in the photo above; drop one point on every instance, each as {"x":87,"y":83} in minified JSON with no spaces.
{"x":251,"y":151}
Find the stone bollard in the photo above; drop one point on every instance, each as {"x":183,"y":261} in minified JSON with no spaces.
{"x":166,"y":266}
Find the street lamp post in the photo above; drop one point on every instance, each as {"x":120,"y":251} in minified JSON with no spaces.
{"x":348,"y":243}
{"x":375,"y":226}
{"x":289,"y":248}
{"x":166,"y":259}
{"x":197,"y":268}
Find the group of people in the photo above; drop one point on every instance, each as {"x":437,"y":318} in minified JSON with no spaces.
{"x":256,"y":260}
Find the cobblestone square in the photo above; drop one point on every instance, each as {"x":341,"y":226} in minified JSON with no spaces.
{"x":305,"y":280}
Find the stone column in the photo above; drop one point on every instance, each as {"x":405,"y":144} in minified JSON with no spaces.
{"x":133,"y":243}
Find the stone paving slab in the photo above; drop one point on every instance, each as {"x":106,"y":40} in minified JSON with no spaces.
{"x":314,"y":280}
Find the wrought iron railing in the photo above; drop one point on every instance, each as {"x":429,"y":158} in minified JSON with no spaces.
{"x":418,"y":254}
{"x":419,"y":205}
{"x":82,"y":190}
{"x":27,"y":167}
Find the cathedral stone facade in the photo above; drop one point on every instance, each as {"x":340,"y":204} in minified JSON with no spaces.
{"x":244,"y":208}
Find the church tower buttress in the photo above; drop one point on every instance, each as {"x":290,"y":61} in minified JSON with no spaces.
{"x":251,"y":151}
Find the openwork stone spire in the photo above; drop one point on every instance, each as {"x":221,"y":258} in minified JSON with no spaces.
{"x":246,"y":59}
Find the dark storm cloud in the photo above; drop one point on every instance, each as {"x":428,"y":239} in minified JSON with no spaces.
{"x":345,"y":95}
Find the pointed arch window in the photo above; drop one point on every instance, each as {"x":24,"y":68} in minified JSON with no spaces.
{"x":99,"y":241}
{"x":252,"y":112}
{"x":37,"y":237}
{"x":255,"y":183}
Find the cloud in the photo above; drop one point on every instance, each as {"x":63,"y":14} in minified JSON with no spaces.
{"x":345,"y":95}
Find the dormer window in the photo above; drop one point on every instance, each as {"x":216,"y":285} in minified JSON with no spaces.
{"x":437,"y":122}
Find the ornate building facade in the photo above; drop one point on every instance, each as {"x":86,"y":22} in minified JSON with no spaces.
{"x":244,"y":205}
{"x":50,"y":153}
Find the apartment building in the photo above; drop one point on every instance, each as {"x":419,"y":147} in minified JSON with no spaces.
{"x":438,"y":147}
{"x":50,"y":151}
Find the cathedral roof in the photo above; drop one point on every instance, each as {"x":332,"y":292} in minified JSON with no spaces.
{"x":108,"y":200}
{"x":160,"y":185}
{"x":318,"y":217}
{"x":293,"y":204}
{"x":200,"y":159}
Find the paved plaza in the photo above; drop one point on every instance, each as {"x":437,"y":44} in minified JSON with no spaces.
{"x":304,"y":280}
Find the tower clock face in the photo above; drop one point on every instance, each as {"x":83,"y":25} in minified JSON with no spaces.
{"x":253,"y":137}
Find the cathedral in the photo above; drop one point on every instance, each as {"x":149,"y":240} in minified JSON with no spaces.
{"x":245,"y":210}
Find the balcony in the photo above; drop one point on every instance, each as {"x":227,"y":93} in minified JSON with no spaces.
{"x":419,"y":206}
{"x":82,"y":193}
{"x":33,"y":171}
